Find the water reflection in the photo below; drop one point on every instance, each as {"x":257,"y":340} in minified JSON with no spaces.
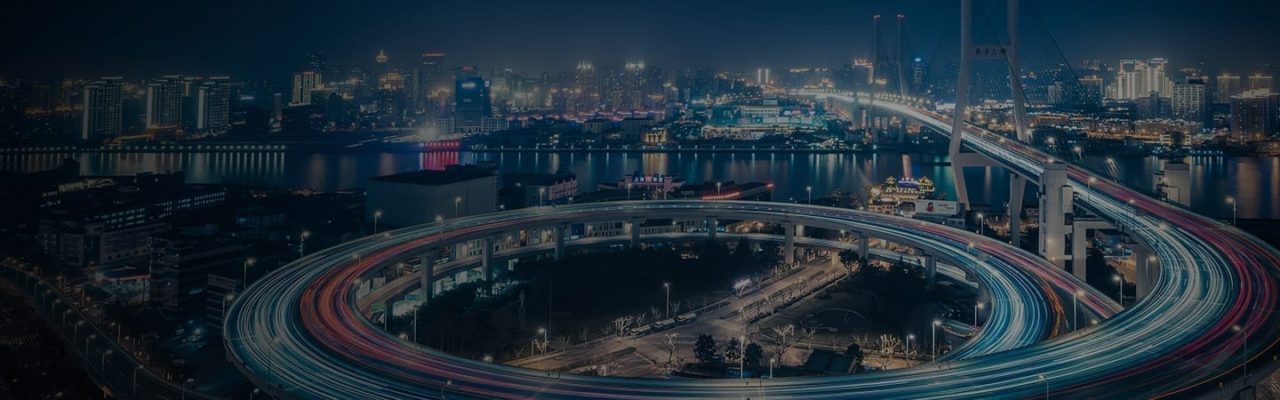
{"x":1252,"y":180}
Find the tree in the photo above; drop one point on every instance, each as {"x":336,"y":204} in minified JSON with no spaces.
{"x":733,"y":349}
{"x":850,"y":258}
{"x":854,"y":351}
{"x":753,"y":354}
{"x":705,"y":349}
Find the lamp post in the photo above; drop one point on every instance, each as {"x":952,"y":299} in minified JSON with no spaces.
{"x":545,"y":342}
{"x":981,"y":224}
{"x":1119,"y":292}
{"x":225,"y":299}
{"x":1232,"y":202}
{"x":1046,"y":385}
{"x":457,"y":201}
{"x":771,"y":362}
{"x":934,"y":339}
{"x":102,"y":367}
{"x":910,"y":338}
{"x":1075,"y":307}
{"x":135,"y":381}
{"x":376,"y":215}
{"x":184,"y":386}
{"x":809,"y":190}
{"x":1244,"y":351}
{"x":244,"y":272}
{"x":717,"y":189}
{"x":302,"y":243}
{"x":667,"y":286}
{"x":742,"y":355}
{"x":976,"y":308}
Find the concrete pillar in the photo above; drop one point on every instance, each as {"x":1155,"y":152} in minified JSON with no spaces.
{"x":713,"y":224}
{"x":789,"y":248}
{"x":1079,"y":239}
{"x":1017,"y":189}
{"x":1055,"y":204}
{"x":1147,"y":268}
{"x":486,"y":259}
{"x":558,"y":232}
{"x":633,"y":228}
{"x":931,"y":270}
{"x":864,"y":246}
{"x":427,"y":278}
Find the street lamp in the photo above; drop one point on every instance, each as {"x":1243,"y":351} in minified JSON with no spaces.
{"x":1119,"y":292}
{"x":1232,"y":202}
{"x":934,"y":339}
{"x":976,"y":308}
{"x":244,"y":273}
{"x":184,"y":386}
{"x":771,"y":362}
{"x":667,"y":285}
{"x":910,"y":338}
{"x":1046,"y":385}
{"x":1075,"y":307}
{"x":457,"y":201}
{"x":545,"y":342}
{"x":302,"y":243}
{"x":742,"y":357}
{"x":135,"y":380}
{"x":981,"y":224}
{"x":1244,"y":350}
{"x":225,"y":299}
{"x":717,"y":189}
{"x":102,"y":367}
{"x":809,"y":190}
{"x":376,"y":215}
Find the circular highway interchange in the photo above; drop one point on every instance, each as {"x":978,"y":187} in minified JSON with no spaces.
{"x":299,"y":333}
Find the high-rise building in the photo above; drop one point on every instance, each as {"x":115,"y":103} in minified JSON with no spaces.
{"x":1227,"y":85}
{"x":213,"y":105}
{"x":1261,"y":81}
{"x":437,"y":83}
{"x":471,"y":102}
{"x":164,"y":102}
{"x":586,"y":88}
{"x":1092,"y":90}
{"x":1139,"y":79}
{"x":318,"y":61}
{"x":1190,"y":100}
{"x":303,"y":83}
{"x":103,"y":108}
{"x":1254,"y":115}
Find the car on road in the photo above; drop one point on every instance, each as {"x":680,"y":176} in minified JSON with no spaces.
{"x":640,"y":330}
{"x":663,"y":325}
{"x":686,"y":317}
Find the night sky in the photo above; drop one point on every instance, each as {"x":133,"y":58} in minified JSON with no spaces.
{"x":267,"y":39}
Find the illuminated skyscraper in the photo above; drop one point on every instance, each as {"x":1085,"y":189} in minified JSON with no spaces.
{"x":437,"y":83}
{"x":1227,"y":85}
{"x":103,"y":108}
{"x":164,"y":102}
{"x":1190,"y":100}
{"x":471,"y":103}
{"x":1140,"y":79}
{"x":303,"y":83}
{"x":213,"y":105}
{"x":1254,"y":115}
{"x":1261,"y":81}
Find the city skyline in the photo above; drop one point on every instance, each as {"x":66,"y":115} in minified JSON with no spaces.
{"x":255,"y":45}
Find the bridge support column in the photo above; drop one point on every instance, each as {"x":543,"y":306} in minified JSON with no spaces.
{"x":1055,"y":204}
{"x":427,"y":278}
{"x":864,"y":246}
{"x":486,"y":259}
{"x":931,"y":270}
{"x":558,"y":232}
{"x":789,"y":246}
{"x":1079,"y":255}
{"x":633,"y":229}
{"x":1017,"y":189}
{"x":713,"y":225}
